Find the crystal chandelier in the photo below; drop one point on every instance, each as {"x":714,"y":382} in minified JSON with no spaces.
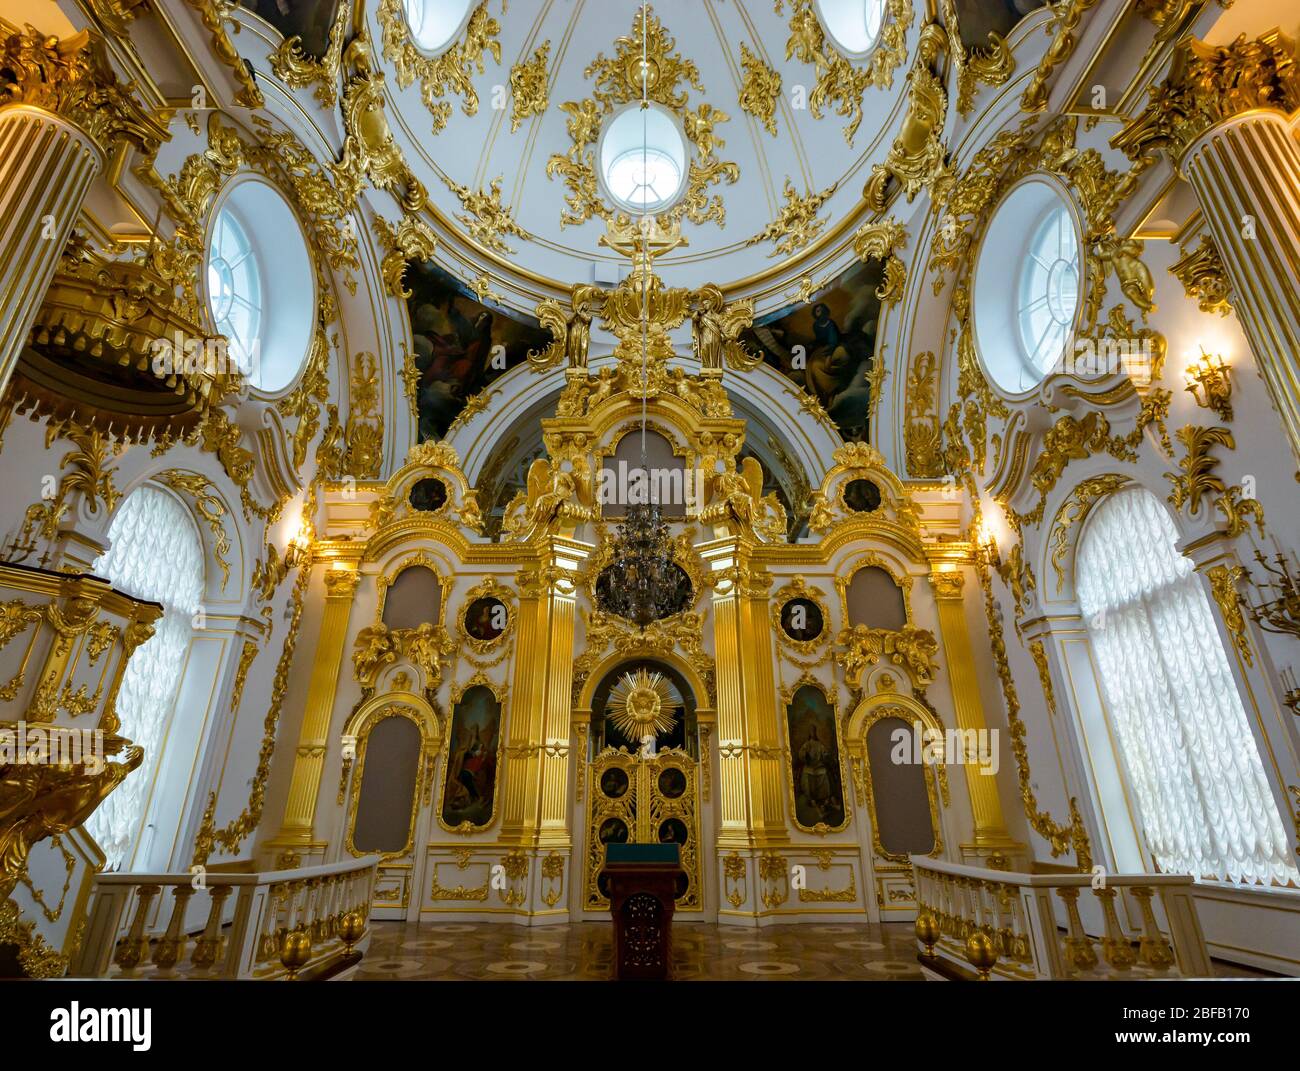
{"x":644,"y":584}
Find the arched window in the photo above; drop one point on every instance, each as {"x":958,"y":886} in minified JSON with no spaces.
{"x":1191,"y":761}
{"x":154,"y":553}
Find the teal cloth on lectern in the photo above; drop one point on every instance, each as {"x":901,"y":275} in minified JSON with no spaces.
{"x":643,"y":853}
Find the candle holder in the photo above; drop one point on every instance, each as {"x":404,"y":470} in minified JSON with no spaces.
{"x":1208,"y":381}
{"x":1278,"y":608}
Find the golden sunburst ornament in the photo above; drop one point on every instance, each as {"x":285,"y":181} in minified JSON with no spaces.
{"x":642,"y":703}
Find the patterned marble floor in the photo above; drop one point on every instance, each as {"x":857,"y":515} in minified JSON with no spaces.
{"x":583,"y":951}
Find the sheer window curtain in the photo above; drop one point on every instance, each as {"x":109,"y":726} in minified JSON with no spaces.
{"x":154,"y":553}
{"x":1191,"y":760}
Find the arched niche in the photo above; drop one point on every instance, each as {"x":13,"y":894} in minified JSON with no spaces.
{"x":412,"y":596}
{"x":872,"y":595}
{"x":884,"y":737}
{"x":387,"y":793}
{"x":684,"y":733}
{"x":819,"y":799}
{"x":395,"y":737}
{"x":694,"y":680}
{"x":665,"y":482}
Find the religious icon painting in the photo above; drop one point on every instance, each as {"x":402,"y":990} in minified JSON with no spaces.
{"x":861,"y":496}
{"x":817,"y":783}
{"x":428,"y":495}
{"x":801,"y":620}
{"x":486,"y":619}
{"x":470,"y":783}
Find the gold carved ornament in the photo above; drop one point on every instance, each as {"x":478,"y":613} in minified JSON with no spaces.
{"x":73,"y":78}
{"x":210,"y":507}
{"x":369,"y":148}
{"x":214,"y":15}
{"x":917,"y":157}
{"x":451,"y":73}
{"x":992,"y":65}
{"x":840,"y":82}
{"x":620,"y":80}
{"x":1223,"y":586}
{"x":1063,"y":30}
{"x":1204,"y":278}
{"x":296,"y":69}
{"x":796,"y":224}
{"x":485,"y":218}
{"x":1196,"y":482}
{"x":1209,"y":84}
{"x":529,"y":86}
{"x":759,"y":90}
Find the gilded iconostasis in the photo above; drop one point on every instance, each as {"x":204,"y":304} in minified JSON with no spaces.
{"x":851,"y":443}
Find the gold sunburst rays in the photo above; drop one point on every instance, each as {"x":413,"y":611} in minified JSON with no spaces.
{"x":642,"y":703}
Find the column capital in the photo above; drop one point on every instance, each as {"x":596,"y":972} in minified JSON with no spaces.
{"x":72,"y":78}
{"x":1208,"y":85}
{"x":947,"y":584}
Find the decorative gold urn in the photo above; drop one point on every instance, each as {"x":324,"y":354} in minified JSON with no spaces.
{"x":295,"y":952}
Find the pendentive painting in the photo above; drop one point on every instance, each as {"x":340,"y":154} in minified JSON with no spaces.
{"x":827,"y":346}
{"x":461,"y":344}
{"x":815,"y":760}
{"x":309,"y":20}
{"x":470,"y":785}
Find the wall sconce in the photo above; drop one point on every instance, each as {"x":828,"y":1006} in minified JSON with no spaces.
{"x":298,"y":552}
{"x":986,"y":546}
{"x":1209,"y":383}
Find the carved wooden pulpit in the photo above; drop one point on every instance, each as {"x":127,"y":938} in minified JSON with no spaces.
{"x":643,"y":881}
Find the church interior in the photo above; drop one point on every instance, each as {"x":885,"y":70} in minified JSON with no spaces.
{"x":718,"y":489}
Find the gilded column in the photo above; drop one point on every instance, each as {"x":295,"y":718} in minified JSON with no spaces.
{"x":959,"y":660}
{"x":535,"y":782}
{"x":61,"y":111}
{"x":1223,"y":117}
{"x":297,"y":829}
{"x":750,"y":793}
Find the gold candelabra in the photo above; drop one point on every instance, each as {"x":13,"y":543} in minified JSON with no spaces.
{"x":1278,"y":609}
{"x":1209,"y":383}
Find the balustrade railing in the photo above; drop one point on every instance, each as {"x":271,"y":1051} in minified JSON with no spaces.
{"x":255,"y":926}
{"x":1009,"y":926}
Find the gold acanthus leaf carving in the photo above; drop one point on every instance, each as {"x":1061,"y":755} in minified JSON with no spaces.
{"x":72,"y":77}
{"x":1197,"y":481}
{"x":214,"y":14}
{"x":840,"y":83}
{"x":485,"y":217}
{"x":1209,"y":84}
{"x":411,"y":239}
{"x":1223,"y":586}
{"x":528,"y":86}
{"x":449,"y":73}
{"x":880,"y":241}
{"x":797,"y":223}
{"x":760,"y":90}
{"x":1204,"y":278}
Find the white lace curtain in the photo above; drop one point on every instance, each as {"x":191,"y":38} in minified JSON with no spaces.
{"x":1187,"y":748}
{"x":154,"y":553}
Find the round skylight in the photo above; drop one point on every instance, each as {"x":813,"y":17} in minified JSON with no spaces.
{"x":261,"y":289}
{"x":435,"y":23}
{"x":643,"y":159}
{"x":854,"y":25}
{"x":1027,"y":287}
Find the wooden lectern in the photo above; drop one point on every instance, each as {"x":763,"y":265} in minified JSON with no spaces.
{"x":642,"y":881}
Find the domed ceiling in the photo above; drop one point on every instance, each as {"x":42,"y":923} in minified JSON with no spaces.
{"x":777,"y":127}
